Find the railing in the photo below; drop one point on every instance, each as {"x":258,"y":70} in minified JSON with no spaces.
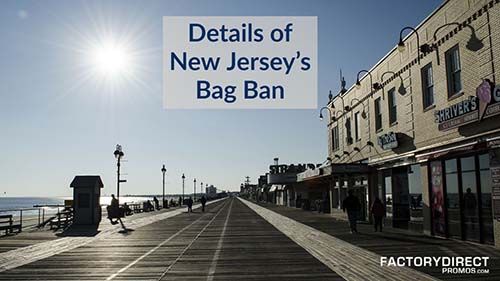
{"x":30,"y":218}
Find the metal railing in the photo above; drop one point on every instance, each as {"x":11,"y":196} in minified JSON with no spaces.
{"x":30,"y":218}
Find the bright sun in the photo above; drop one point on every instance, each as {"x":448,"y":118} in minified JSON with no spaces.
{"x":111,"y":59}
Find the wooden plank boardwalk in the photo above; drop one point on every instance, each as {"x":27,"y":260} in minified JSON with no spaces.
{"x":395,"y":243}
{"x":228,"y":242}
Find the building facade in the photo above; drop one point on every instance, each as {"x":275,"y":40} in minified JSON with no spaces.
{"x":421,"y":129}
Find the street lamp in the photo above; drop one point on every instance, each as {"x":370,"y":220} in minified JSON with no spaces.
{"x":183,"y":178}
{"x":194,"y":190}
{"x":201,"y":189}
{"x":118,"y":155}
{"x":163,"y":170}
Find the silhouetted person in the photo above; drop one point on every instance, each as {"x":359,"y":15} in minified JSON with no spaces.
{"x":127,"y":209}
{"x":157,"y":203}
{"x":470,"y":207}
{"x":180,"y":201}
{"x":378,"y":212}
{"x":351,"y":205}
{"x":203,"y":201}
{"x":172,"y":203}
{"x":189,"y":203}
{"x":113,"y":210}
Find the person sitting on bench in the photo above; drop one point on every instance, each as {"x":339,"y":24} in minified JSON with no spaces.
{"x":114,"y":210}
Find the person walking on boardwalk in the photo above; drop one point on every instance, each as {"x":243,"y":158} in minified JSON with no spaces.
{"x":378,"y":212}
{"x":203,"y":201}
{"x":351,"y":205}
{"x":189,"y":203}
{"x":157,"y":203}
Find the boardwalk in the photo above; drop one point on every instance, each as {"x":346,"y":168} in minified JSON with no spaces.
{"x":228,"y":242}
{"x":233,"y":240}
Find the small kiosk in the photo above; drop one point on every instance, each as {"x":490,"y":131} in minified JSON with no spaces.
{"x":86,"y":200}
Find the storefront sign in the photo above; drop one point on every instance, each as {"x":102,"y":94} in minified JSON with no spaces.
{"x":350,"y":168}
{"x":281,"y":178}
{"x":282,"y":169}
{"x":388,"y":141}
{"x":485,"y":104}
{"x":461,"y":113}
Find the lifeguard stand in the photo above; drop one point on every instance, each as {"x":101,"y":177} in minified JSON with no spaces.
{"x":86,"y":200}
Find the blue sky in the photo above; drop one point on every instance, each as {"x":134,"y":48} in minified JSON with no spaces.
{"x":55,"y":122}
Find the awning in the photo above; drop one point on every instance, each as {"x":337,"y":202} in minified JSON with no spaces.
{"x":447,"y":151}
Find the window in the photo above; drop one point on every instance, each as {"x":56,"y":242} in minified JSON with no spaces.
{"x":335,"y":138}
{"x":378,"y":115}
{"x":427,"y":86}
{"x":393,"y":115}
{"x":453,"y":71}
{"x":348,"y":130}
{"x":356,"y":126}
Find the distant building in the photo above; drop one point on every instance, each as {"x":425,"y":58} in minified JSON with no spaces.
{"x":211,"y":191}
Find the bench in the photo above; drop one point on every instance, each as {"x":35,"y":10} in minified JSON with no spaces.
{"x":62,"y":219}
{"x":7,"y":224}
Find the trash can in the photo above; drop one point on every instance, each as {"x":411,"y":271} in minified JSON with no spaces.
{"x":86,"y":200}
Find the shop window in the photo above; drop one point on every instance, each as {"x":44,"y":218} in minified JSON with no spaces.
{"x":393,"y":112}
{"x":427,"y":86}
{"x":378,"y":115}
{"x":335,"y":138}
{"x":416,"y":203}
{"x":356,"y":126}
{"x":388,"y":196}
{"x":453,"y":71}
{"x":486,"y":208}
{"x":453,"y":199}
{"x":469,"y":199}
{"x":348,"y":130}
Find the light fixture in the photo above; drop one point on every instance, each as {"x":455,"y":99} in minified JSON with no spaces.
{"x":358,"y":83}
{"x":425,"y":48}
{"x":329,"y":112}
{"x":369,"y":143}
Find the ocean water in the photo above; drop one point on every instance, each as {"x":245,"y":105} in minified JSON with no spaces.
{"x":12,"y":205}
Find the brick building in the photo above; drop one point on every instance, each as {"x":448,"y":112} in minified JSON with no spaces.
{"x":421,"y":129}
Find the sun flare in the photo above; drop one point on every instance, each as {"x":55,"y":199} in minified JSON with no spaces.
{"x":110,"y":59}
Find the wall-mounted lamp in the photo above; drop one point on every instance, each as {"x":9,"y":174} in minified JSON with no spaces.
{"x":337,"y":156}
{"x":358,"y":83}
{"x":425,"y":48}
{"x":348,"y":108}
{"x":474,"y":44}
{"x":346,"y":153}
{"x":369,"y":143}
{"x":357,"y":149}
{"x":401,"y":89}
{"x":329,"y":113}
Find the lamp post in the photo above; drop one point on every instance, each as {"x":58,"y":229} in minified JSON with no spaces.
{"x":194,"y":194}
{"x":183,"y":178}
{"x":118,"y":155}
{"x":201,"y":189}
{"x":163,"y":170}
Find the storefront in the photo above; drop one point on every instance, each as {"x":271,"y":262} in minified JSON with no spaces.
{"x":461,"y":193}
